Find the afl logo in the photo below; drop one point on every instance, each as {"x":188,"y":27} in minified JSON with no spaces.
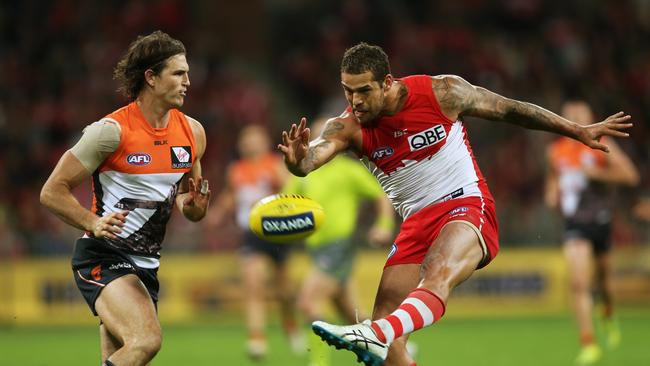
{"x":382,"y":152}
{"x":139,"y":159}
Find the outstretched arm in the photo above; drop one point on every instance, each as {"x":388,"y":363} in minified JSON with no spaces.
{"x":302,"y":156}
{"x":457,"y":98}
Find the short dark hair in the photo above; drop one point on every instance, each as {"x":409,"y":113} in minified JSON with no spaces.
{"x":146,"y":52}
{"x":365,"y":57}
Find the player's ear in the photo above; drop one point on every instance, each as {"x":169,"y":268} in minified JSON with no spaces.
{"x":149,"y":77}
{"x":388,"y":82}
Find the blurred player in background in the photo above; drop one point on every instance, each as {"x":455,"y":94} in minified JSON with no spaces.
{"x":257,"y":174}
{"x":142,"y":158}
{"x":340,"y":187}
{"x":579,"y":184}
{"x":411,"y":130}
{"x":642,"y":209}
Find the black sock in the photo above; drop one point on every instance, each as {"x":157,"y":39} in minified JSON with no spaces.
{"x":108,"y":363}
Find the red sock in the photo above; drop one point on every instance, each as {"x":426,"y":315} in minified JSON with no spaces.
{"x":421,"y":308}
{"x":586,"y":338}
{"x":608,"y":311}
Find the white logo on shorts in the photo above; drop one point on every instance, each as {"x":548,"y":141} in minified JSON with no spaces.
{"x":122,"y":265}
{"x":393,"y":250}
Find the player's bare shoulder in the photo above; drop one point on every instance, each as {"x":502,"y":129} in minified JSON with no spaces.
{"x":453,"y":94}
{"x":340,"y":127}
{"x":199,"y":133}
{"x":195,"y":125}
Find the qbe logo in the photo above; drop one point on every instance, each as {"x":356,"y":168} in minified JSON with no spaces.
{"x":181,"y":157}
{"x":273,"y":225}
{"x":138,"y":159}
{"x":428,"y":137}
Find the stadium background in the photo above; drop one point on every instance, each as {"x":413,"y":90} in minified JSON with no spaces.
{"x":270,"y":62}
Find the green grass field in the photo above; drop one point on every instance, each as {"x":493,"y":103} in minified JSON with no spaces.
{"x":499,"y":342}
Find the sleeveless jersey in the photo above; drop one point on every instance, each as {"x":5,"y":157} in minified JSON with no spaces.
{"x":252,"y":181}
{"x":581,"y":200}
{"x":419,"y":156}
{"x":142,"y":176}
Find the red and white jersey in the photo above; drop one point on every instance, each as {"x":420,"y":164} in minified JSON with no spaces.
{"x":142,"y":176}
{"x":419,"y":156}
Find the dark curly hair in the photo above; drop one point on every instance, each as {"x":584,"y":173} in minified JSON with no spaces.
{"x":146,"y":52}
{"x":365,"y":57}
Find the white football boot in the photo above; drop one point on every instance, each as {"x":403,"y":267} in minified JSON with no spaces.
{"x":358,"y":338}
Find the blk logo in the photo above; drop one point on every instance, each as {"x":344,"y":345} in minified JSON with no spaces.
{"x":138,"y":159}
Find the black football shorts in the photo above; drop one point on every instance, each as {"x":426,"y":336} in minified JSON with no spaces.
{"x":598,"y":234}
{"x":95,"y":264}
{"x":251,"y":244}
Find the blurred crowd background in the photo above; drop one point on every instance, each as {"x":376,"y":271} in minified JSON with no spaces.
{"x":269,"y":62}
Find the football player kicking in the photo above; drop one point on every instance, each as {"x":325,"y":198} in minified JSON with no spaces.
{"x":411,"y":131}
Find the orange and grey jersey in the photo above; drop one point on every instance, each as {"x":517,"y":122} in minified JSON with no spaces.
{"x":581,"y":200}
{"x":142,"y":176}
{"x":253,"y":180}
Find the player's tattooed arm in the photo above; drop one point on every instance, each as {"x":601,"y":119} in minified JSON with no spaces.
{"x":302,"y":156}
{"x":323,"y":148}
{"x":459,"y":98}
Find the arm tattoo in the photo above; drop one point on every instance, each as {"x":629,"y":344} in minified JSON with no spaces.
{"x":309,"y":162}
{"x":491,"y":106}
{"x":534,"y":117}
{"x":320,"y":151}
{"x":446,"y":99}
{"x":454,"y":94}
{"x":331,"y":129}
{"x":458,"y":97}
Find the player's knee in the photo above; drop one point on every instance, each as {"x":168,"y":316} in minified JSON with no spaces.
{"x":147,"y":346}
{"x":305,"y":306}
{"x":579,"y":285}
